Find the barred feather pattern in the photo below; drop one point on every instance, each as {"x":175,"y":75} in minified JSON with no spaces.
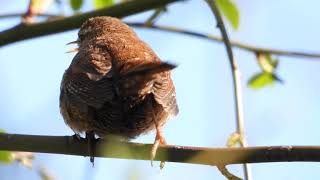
{"x":97,"y":92}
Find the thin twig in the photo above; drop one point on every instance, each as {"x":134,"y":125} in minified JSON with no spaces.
{"x":70,"y":145}
{"x":240,"y":45}
{"x":225,"y":172}
{"x":19,"y":15}
{"x":237,"y":44}
{"x":236,"y":81}
{"x":28,"y":31}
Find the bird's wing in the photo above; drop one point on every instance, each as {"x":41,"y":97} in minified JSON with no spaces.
{"x":139,"y":78}
{"x":165,"y":94}
{"x":94,"y":62}
{"x":88,"y":78}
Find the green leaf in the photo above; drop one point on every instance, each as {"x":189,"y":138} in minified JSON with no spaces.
{"x":230,"y":11}
{"x":76,"y":4}
{"x":102,"y":3}
{"x":261,"y":80}
{"x":267,"y":63}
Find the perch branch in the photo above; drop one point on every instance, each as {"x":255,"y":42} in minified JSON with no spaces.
{"x":69,"y":145}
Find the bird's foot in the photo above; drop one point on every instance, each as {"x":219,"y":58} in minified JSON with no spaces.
{"x":159,"y":140}
{"x":76,"y":136}
{"x":90,"y":137}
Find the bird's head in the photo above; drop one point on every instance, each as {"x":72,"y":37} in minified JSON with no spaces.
{"x":101,"y":27}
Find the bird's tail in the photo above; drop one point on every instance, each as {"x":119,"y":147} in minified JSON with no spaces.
{"x":150,"y":69}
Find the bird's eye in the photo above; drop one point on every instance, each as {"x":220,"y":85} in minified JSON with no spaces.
{"x":81,"y":37}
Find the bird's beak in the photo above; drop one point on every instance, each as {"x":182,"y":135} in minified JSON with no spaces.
{"x":72,"y":50}
{"x":75,"y":49}
{"x":73,"y":42}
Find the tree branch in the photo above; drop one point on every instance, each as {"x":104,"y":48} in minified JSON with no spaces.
{"x":69,"y":145}
{"x":237,"y":44}
{"x":28,"y":31}
{"x":16,"y":15}
{"x":236,"y":81}
{"x":240,"y":45}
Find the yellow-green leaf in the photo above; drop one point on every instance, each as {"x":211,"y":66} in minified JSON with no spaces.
{"x":76,"y":4}
{"x":2,"y":131}
{"x":102,"y":3}
{"x":45,"y":174}
{"x":261,"y":80}
{"x":230,"y":11}
{"x":40,"y":6}
{"x":266,"y":62}
{"x":6,"y":157}
{"x":234,"y":139}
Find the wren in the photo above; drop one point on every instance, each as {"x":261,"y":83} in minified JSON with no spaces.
{"x":116,"y":84}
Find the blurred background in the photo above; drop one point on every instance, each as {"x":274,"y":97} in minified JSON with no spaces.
{"x":282,"y":114}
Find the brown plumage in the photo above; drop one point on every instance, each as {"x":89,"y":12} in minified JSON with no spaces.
{"x":116,"y":84}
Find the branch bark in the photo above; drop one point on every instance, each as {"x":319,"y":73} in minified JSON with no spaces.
{"x":28,"y":31}
{"x":19,"y":15}
{"x":69,"y":145}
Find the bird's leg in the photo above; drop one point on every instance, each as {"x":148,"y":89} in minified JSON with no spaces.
{"x":91,"y":145}
{"x":159,"y":140}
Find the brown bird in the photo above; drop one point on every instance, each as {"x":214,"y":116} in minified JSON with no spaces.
{"x":116,"y":84}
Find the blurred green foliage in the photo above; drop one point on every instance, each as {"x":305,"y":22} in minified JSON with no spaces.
{"x":230,"y":11}
{"x":76,"y":4}
{"x":102,"y":3}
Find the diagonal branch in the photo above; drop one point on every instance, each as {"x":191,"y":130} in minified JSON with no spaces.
{"x":69,"y":145}
{"x":236,"y":81}
{"x":28,"y":31}
{"x":240,"y":45}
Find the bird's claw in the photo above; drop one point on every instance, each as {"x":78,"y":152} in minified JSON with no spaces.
{"x":91,"y":145}
{"x":157,"y":142}
{"x":154,"y":150}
